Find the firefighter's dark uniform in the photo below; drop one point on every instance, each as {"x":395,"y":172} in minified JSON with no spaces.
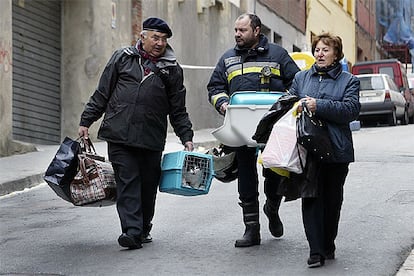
{"x":267,"y":67}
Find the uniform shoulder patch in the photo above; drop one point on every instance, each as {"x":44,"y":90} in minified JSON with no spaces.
{"x":232,"y":60}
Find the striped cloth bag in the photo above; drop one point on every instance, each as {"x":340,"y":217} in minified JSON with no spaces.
{"x":94,"y":184}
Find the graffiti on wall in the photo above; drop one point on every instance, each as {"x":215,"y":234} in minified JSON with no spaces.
{"x":5,"y":56}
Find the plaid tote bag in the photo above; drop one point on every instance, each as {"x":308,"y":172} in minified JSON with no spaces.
{"x":94,"y":183}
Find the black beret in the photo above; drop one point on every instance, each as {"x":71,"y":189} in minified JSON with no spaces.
{"x":156,"y":24}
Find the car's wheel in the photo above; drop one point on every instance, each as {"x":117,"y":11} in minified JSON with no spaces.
{"x":392,"y":118}
{"x":405,"y":118}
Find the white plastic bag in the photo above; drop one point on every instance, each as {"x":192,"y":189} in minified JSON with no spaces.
{"x":282,"y":150}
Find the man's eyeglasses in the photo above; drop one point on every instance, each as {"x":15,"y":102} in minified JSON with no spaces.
{"x":157,"y":38}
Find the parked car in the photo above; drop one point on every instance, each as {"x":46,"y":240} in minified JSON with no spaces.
{"x":380,"y":98}
{"x":396,"y":70}
{"x":410,"y":78}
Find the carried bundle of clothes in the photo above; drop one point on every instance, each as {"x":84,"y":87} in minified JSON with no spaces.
{"x":297,"y":178}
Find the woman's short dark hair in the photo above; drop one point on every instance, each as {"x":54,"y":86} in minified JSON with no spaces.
{"x":331,"y":40}
{"x":254,"y":20}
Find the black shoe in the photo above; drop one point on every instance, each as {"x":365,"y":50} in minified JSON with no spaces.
{"x":316,"y":261}
{"x":129,"y":241}
{"x":275,"y":224}
{"x":146,"y":238}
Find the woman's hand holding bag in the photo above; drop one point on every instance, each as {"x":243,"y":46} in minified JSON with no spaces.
{"x":312,"y":134}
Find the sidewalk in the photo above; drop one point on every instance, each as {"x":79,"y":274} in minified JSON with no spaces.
{"x":22,"y":171}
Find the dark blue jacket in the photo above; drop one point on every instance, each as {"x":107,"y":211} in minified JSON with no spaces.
{"x":337,"y":103}
{"x":242,"y":70}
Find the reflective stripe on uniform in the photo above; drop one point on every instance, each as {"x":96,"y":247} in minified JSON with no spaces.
{"x":250,"y":70}
{"x":262,"y":64}
{"x":251,"y":67}
{"x":215,"y":98}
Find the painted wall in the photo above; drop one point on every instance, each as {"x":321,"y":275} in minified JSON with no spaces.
{"x":365,"y":30}
{"x":5,"y":75}
{"x":289,"y":33}
{"x":330,"y":16}
{"x":202,"y":31}
{"x":93,"y":29}
{"x":293,"y":12}
{"x":365,"y":16}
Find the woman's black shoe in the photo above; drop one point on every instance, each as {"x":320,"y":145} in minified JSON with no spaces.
{"x":316,"y":261}
{"x":129,"y":241}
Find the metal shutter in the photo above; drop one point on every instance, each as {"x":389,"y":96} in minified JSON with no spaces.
{"x":36,"y":71}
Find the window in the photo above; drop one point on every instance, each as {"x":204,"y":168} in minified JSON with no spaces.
{"x":377,"y":83}
{"x":265,"y":30}
{"x":387,"y":70}
{"x":371,"y":83}
{"x":392,"y":84}
{"x":365,"y":71}
{"x":411,"y":82}
{"x":296,"y":49}
{"x":277,"y":38}
{"x":312,"y":37}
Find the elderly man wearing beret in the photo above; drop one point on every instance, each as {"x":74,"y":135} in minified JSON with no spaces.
{"x":140,"y":87}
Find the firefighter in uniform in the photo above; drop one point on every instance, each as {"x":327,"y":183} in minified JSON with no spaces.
{"x":253,"y":64}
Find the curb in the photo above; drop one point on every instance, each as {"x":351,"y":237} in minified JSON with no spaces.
{"x":407,"y":269}
{"x":21,"y":184}
{"x":36,"y":179}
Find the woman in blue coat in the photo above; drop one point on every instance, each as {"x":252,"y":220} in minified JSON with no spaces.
{"x":333,"y":96}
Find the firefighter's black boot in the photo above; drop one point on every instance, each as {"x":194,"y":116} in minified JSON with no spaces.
{"x":271,"y":209}
{"x":251,"y":221}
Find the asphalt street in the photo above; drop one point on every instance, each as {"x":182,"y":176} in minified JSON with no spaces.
{"x":43,"y":235}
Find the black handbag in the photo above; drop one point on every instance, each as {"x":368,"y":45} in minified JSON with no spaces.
{"x":312,"y":134}
{"x":63,"y":168}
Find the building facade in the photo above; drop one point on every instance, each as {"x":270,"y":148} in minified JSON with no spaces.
{"x":336,"y":17}
{"x":365,"y":30}
{"x":53,"y":52}
{"x":395,"y":29}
